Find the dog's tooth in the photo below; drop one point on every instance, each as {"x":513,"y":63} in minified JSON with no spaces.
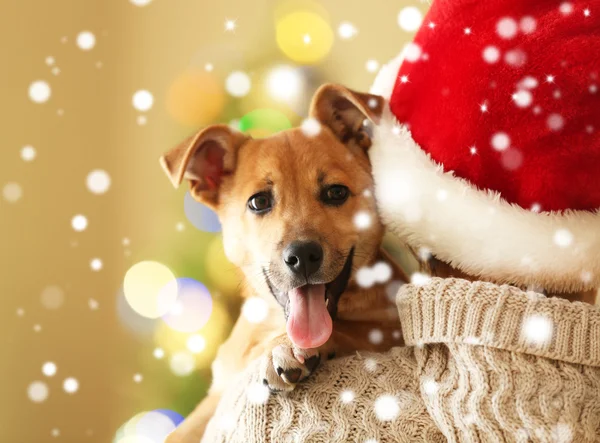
{"x":327,"y":302}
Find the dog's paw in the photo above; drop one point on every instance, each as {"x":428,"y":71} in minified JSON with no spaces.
{"x":285,"y":365}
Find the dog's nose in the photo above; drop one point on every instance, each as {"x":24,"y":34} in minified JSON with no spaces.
{"x":303,"y":258}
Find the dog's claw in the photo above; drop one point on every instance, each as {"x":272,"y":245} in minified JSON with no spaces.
{"x":312,"y":363}
{"x":285,"y":366}
{"x":292,"y":375}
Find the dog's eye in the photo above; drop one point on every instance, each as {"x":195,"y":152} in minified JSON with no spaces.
{"x":260,"y":203}
{"x":335,"y":195}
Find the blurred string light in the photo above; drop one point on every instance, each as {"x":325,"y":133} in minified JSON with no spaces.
{"x":291,"y":31}
{"x":199,"y":215}
{"x":171,"y":342}
{"x":238,"y":84}
{"x":148,"y":427}
{"x":222,"y":273}
{"x":264,"y":122}
{"x":195,"y":98}
{"x":147,"y":291}
{"x":285,"y":83}
{"x":193,"y":305}
{"x":140,"y":326}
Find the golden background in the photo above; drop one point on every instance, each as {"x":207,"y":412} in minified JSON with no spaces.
{"x":89,"y":123}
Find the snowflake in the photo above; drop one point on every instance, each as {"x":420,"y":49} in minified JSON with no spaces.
{"x":230,"y":25}
{"x":372,"y":65}
{"x":550,"y":79}
{"x":257,"y":393}
{"x":404,"y":79}
{"x":347,"y":396}
{"x":137,"y":378}
{"x":500,"y":141}
{"x":483,"y":107}
{"x":412,"y":52}
{"x":467,"y":31}
{"x":555,"y":122}
{"x":362,"y":220}
{"x":473,"y":150}
{"x":566,"y":8}
{"x":538,"y":329}
{"x":376,"y":336}
{"x":387,"y":407}
{"x":370,"y":364}
{"x":491,"y":54}
{"x":311,"y":127}
{"x":527,"y":25}
{"x":522,"y":98}
{"x":49,"y":369}
{"x":419,"y":279}
{"x":71,"y":385}
{"x":586,"y":12}
{"x":347,"y":30}
{"x":563,"y":238}
{"x":506,"y":28}
{"x":430,"y":387}
{"x":255,"y":310}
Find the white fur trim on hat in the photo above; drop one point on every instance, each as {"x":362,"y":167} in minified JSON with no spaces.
{"x":473,"y":230}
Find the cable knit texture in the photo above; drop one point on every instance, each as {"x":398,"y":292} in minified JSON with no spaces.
{"x":482,"y":363}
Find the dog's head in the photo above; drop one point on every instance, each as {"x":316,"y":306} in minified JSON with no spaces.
{"x":297,"y":208}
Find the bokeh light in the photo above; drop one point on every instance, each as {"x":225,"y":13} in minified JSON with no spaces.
{"x":148,"y":427}
{"x":285,"y":83}
{"x":264,"y":122}
{"x":175,"y":417}
{"x":146,"y":290}
{"x":195,"y":98}
{"x":238,"y":84}
{"x":291,"y":31}
{"x":192,"y":307}
{"x":199,"y":215}
{"x":196,"y":343}
{"x":182,"y":363}
{"x":222,"y":273}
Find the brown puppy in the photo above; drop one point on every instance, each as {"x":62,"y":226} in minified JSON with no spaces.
{"x":299,"y":219}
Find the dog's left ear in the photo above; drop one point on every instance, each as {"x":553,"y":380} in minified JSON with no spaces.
{"x":347,"y":113}
{"x":204,"y":159}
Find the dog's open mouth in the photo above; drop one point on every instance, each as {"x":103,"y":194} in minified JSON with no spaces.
{"x":311,"y":309}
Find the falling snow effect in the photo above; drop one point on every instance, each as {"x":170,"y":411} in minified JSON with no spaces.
{"x":387,"y":408}
{"x":367,"y":276}
{"x":537,"y":330}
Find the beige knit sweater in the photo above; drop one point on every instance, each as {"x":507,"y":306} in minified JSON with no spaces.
{"x":483,"y":363}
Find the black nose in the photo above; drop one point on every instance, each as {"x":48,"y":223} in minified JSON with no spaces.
{"x":303,"y":258}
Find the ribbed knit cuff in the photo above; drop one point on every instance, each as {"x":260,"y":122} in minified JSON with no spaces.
{"x":503,"y":317}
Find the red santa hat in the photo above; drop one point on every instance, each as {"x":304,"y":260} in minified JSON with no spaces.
{"x":489,"y":153}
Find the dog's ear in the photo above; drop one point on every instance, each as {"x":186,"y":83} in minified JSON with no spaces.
{"x":347,"y":113}
{"x":204,"y":159}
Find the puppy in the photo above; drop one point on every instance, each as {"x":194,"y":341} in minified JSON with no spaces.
{"x":299,"y":219}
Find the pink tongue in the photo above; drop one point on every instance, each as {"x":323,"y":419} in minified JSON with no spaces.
{"x":309,"y":323}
